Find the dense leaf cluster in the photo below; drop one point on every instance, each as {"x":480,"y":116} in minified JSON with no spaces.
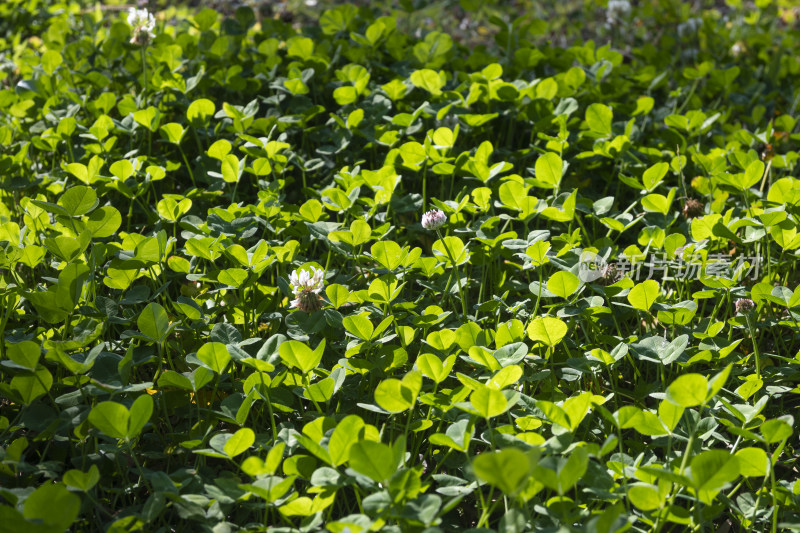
{"x":220,"y":311}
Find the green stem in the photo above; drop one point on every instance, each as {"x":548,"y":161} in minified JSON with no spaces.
{"x":424,"y":187}
{"x":458,"y":278}
{"x":756,"y":353}
{"x":144,"y":75}
{"x":774,"y":486}
{"x":684,"y":460}
{"x":188,"y":166}
{"x":688,"y":96}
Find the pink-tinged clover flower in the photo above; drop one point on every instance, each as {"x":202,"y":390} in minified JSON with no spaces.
{"x":306,"y":286}
{"x":744,"y":305}
{"x":434,"y":219}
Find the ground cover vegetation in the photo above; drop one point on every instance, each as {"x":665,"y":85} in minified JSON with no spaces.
{"x":351,"y":274}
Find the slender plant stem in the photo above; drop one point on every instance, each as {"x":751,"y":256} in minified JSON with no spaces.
{"x":458,"y":278}
{"x":144,"y":74}
{"x":749,"y":318}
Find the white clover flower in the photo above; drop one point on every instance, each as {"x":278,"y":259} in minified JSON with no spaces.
{"x":433,"y":219}
{"x":737,"y":49}
{"x":617,"y":10}
{"x":141,"y":18}
{"x":306,"y":287}
{"x":143,"y":23}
